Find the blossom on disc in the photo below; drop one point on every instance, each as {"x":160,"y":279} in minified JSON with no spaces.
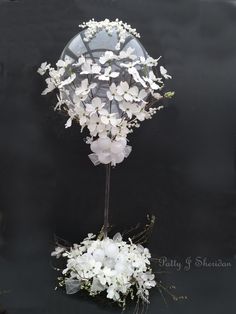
{"x":136,"y":76}
{"x":108,"y":56}
{"x":164,"y":73}
{"x":88,"y":67}
{"x":107,"y":118}
{"x":81,"y":61}
{"x":95,"y":106}
{"x":95,"y":125}
{"x":129,"y":108}
{"x":67,"y":81}
{"x":151,"y":79}
{"x":128,"y":54}
{"x":108,"y":74}
{"x":112,"y":93}
{"x":128,"y":93}
{"x":150,"y":62}
{"x":63,"y":63}
{"x":84,"y":89}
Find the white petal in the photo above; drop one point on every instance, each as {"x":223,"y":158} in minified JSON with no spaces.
{"x":104,"y":143}
{"x":116,"y":147}
{"x":114,"y":74}
{"x":104,"y":119}
{"x":68,"y":123}
{"x":104,"y":158}
{"x":94,"y":147}
{"x":117,"y":158}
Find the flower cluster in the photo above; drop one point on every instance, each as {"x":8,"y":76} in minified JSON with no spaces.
{"x":123,"y":29}
{"x":110,"y":94}
{"x":118,"y":268}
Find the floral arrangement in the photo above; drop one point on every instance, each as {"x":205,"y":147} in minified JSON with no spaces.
{"x":108,"y":92}
{"x":118,"y":268}
{"x":109,"y":95}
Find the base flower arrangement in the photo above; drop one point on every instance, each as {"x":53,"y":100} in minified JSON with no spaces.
{"x":120,"y":269}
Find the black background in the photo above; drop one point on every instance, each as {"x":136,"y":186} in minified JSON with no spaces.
{"x":182,"y":168}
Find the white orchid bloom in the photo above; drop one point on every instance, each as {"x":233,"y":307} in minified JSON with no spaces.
{"x":164,"y":73}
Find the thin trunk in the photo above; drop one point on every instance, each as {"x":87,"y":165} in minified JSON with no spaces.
{"x":107,"y":199}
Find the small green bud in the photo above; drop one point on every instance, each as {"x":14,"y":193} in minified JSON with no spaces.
{"x":169,"y":94}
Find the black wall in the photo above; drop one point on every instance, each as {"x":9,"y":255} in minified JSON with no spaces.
{"x":182,"y":168}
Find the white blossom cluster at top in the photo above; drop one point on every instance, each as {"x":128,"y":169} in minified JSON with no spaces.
{"x":131,"y":89}
{"x":123,"y":30}
{"x":120,"y":269}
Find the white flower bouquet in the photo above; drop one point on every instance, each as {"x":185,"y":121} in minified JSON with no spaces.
{"x":118,"y":268}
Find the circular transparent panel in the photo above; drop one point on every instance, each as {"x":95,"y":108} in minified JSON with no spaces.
{"x":94,"y":49}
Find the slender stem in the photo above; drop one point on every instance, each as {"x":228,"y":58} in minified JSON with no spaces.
{"x":107,"y":197}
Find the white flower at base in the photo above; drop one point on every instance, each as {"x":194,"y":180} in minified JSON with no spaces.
{"x":119,"y":268}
